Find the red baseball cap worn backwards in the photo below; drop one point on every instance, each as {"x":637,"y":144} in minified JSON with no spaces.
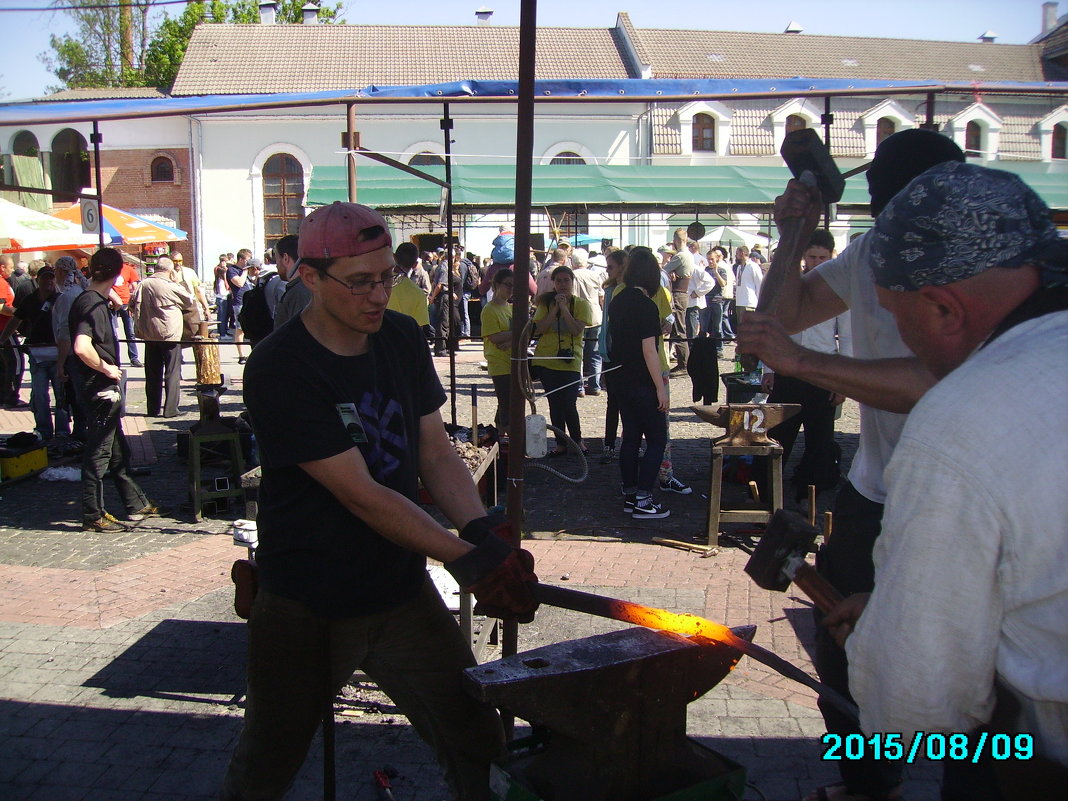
{"x":342,"y":229}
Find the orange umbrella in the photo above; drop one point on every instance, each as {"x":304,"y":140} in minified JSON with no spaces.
{"x":126,"y":228}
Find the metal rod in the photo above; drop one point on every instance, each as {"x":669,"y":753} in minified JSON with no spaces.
{"x":97,"y":138}
{"x":686,"y":624}
{"x":350,"y":144}
{"x":450,"y":298}
{"x":398,"y":165}
{"x":524,"y":180}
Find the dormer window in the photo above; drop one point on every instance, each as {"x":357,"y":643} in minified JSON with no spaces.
{"x":704,"y":133}
{"x":973,"y":140}
{"x":884,"y":128}
{"x":1059,"y":149}
{"x":795,"y":122}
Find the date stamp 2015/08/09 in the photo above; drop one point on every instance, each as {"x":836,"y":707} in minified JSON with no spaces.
{"x":934,"y":746}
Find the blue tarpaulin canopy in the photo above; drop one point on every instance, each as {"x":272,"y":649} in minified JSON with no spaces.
{"x":634,"y":90}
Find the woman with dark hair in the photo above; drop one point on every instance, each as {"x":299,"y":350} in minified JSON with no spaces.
{"x":635,"y":332}
{"x":497,"y":344}
{"x":559,"y":320}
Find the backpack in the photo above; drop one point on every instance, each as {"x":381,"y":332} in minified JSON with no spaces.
{"x":255,"y":318}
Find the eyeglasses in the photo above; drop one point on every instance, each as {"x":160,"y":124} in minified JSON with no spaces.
{"x":365,"y":286}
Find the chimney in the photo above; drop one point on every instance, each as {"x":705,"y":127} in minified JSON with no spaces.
{"x":1049,"y":17}
{"x":311,"y":14}
{"x":988,"y":37}
{"x":268,"y":10}
{"x":793,"y":27}
{"x":484,"y":15}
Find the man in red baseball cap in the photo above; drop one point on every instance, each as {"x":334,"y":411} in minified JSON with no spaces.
{"x":344,"y":402}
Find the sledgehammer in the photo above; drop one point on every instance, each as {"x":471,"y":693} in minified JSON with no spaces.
{"x":779,"y":558}
{"x":810,"y":162}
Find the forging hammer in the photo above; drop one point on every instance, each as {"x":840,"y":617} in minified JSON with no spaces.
{"x":779,"y":559}
{"x":809,"y":161}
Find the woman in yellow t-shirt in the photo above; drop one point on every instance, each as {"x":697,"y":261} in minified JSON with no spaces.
{"x":559,"y":321}
{"x":497,"y":344}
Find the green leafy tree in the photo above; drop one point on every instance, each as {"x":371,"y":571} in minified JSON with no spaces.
{"x":108,"y":46}
{"x":110,"y":50}
{"x":169,"y":43}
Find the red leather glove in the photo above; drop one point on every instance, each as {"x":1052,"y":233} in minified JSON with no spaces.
{"x":500,"y":577}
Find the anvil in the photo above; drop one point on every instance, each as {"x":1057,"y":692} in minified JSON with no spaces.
{"x":747,"y":423}
{"x":614,"y":707}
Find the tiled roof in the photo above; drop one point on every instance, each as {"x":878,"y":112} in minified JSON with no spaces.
{"x":231,"y":59}
{"x":110,"y":93}
{"x":730,"y":54}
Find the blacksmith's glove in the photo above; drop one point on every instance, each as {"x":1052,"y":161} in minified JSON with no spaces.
{"x":481,"y":527}
{"x":500,"y":577}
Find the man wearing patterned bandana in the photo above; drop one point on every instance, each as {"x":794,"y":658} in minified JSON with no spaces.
{"x":967,"y":627}
{"x":344,"y":403}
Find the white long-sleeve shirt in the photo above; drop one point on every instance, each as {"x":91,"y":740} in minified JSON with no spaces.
{"x":750,"y":277}
{"x":970,"y":570}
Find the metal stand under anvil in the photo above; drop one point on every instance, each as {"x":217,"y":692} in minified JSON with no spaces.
{"x":213,"y":431}
{"x":614,"y":707}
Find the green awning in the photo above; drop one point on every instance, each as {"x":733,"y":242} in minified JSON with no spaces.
{"x":636,"y":186}
{"x":493,"y":185}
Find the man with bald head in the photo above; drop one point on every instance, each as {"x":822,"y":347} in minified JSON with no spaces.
{"x":967,"y":626}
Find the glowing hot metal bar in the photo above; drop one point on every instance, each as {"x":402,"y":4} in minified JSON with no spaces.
{"x":687,"y":625}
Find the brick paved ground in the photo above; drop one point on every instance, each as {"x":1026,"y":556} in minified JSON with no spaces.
{"x":121,"y":662}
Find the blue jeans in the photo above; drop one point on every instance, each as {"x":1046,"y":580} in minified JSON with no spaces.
{"x":726,"y":330}
{"x":693,"y":324}
{"x":641,"y":418}
{"x":127,"y":326}
{"x":591,"y":358}
{"x":43,"y":374}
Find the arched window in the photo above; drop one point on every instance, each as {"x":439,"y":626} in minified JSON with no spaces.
{"x":1060,"y":141}
{"x":426,"y":160}
{"x":567,"y":157}
{"x":70,"y":164}
{"x":883,"y":128}
{"x":973,"y":139}
{"x":795,"y":122}
{"x":162,"y":170}
{"x":704,"y":133}
{"x":283,"y":197}
{"x":25,"y":144}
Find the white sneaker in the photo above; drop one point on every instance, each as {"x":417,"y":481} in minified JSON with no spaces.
{"x":674,"y":485}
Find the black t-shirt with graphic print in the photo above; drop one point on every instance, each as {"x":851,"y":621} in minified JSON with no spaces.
{"x":307,"y":403}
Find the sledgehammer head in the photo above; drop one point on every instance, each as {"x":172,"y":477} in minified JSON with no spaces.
{"x":803,"y":150}
{"x":788,"y":534}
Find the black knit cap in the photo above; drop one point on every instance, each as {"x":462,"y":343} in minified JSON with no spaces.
{"x":902,"y":157}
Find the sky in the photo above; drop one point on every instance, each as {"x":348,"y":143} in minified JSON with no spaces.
{"x":26,"y":34}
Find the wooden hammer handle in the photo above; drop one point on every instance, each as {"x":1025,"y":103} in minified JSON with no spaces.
{"x":816,"y":587}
